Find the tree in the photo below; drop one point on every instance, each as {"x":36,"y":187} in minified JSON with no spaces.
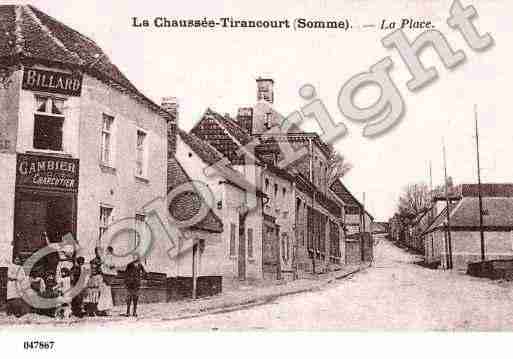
{"x":414,"y":200}
{"x":338,"y":166}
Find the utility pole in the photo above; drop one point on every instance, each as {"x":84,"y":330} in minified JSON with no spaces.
{"x":363,"y":229}
{"x":447,"y":202}
{"x":431,"y":203}
{"x":479,"y":190}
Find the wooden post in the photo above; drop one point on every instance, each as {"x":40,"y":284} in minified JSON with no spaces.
{"x":194,"y":274}
{"x":481,"y":231}
{"x":449,"y":242}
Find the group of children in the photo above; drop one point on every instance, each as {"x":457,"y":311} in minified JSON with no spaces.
{"x":75,"y":291}
{"x":67,"y":286}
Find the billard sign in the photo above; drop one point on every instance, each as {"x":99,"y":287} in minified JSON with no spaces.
{"x":51,"y":81}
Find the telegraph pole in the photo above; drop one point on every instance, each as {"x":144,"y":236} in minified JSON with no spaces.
{"x":479,"y":190}
{"x":432,"y":204}
{"x":447,"y":202}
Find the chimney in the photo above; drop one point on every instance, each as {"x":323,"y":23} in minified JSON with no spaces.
{"x":245,"y":118}
{"x":265,"y":89}
{"x":170,"y":104}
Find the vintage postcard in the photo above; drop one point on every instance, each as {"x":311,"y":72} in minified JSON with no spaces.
{"x":312,"y":166}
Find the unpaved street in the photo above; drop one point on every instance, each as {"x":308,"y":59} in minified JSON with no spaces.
{"x":394,"y":294}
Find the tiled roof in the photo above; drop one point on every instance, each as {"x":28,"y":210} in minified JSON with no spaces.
{"x":343,"y":193}
{"x":187,"y":204}
{"x":206,"y":152}
{"x":497,"y":212}
{"x":233,"y":128}
{"x":223,"y":134}
{"x":30,"y":35}
{"x":487,"y":189}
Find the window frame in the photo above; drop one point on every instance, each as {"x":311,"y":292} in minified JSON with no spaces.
{"x":104,"y":225}
{"x":111,"y":132}
{"x":49,"y":116}
{"x":144,"y":174}
{"x":232,"y":245}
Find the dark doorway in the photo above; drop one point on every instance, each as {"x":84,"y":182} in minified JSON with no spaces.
{"x":242,"y":252}
{"x":37,"y":212}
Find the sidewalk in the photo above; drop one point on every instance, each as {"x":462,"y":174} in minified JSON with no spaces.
{"x":237,"y":297}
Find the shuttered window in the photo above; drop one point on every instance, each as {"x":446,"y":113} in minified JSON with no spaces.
{"x":250,"y":242}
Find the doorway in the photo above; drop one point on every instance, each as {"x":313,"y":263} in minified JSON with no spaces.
{"x":37,"y":212}
{"x":242,"y":253}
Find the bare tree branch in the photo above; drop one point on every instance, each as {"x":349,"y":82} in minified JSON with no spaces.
{"x":338,"y":166}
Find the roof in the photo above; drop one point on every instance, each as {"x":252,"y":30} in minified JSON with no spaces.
{"x":211,"y":156}
{"x":343,"y":193}
{"x":223,"y":134}
{"x":487,"y":189}
{"x":187,"y":204}
{"x":294,"y":136}
{"x":497,"y":213}
{"x":233,"y":128}
{"x":33,"y":36}
{"x":206,"y":152}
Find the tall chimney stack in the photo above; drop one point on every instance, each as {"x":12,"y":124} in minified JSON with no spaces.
{"x":265,"y":89}
{"x":170,"y":104}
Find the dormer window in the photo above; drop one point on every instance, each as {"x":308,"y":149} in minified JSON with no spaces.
{"x":48,"y":123}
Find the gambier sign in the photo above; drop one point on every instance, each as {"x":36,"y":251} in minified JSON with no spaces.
{"x":47,"y":172}
{"x":51,"y":81}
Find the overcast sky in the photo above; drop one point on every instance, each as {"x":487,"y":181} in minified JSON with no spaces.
{"x":217,"y":68}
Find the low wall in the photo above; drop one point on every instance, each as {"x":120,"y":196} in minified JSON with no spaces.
{"x":178,"y":288}
{"x":155,"y":288}
{"x":493,"y":269}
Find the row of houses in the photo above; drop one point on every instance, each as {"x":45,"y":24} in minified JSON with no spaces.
{"x":289,"y":222}
{"x":83,"y":150}
{"x":448,"y":234}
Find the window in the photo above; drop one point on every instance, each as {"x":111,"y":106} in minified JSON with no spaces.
{"x":284,"y":192}
{"x":232,"y":239}
{"x":105,"y":219}
{"x":48,"y":123}
{"x":267,"y":185}
{"x":268,"y":120}
{"x":106,"y":155}
{"x":140,"y":160}
{"x":285,"y":248}
{"x":140,"y":220}
{"x":250,"y":242}
{"x":275,"y":190}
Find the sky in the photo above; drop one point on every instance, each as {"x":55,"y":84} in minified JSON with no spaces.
{"x":218,"y":68}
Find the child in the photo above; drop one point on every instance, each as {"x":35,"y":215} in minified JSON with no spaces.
{"x":63,"y":288}
{"x":77,"y":301}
